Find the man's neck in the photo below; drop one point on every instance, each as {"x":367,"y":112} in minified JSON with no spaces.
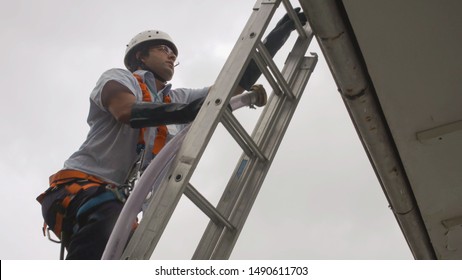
{"x":159,"y":84}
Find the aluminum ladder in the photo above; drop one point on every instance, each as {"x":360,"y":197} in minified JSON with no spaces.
{"x":228,"y":217}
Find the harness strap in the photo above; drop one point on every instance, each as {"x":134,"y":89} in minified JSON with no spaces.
{"x":95,"y":201}
{"x":66,"y":176}
{"x":162,"y":131}
{"x":77,"y":181}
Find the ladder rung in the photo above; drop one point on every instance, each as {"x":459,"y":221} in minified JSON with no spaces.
{"x":241,"y":136}
{"x":274,"y":69}
{"x":202,"y":203}
{"x":269,"y":77}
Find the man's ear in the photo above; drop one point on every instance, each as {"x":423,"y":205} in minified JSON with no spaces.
{"x":139,"y":57}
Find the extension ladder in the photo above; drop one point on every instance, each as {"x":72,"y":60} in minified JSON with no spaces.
{"x":228,"y":217}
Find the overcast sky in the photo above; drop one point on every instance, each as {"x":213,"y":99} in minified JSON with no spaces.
{"x":320,"y":200}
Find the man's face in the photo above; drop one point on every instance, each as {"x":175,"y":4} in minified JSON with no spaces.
{"x":161,"y":60}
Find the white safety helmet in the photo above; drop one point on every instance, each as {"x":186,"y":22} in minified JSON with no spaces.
{"x":144,"y":37}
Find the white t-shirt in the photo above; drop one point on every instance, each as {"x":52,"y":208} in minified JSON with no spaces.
{"x":109,"y":151}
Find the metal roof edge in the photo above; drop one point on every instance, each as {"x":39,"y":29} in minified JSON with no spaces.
{"x":331,"y":27}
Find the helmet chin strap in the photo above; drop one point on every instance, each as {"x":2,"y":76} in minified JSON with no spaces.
{"x":158,"y":77}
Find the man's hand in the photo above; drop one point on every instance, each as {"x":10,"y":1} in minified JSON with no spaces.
{"x":279,"y":35}
{"x":273,"y":42}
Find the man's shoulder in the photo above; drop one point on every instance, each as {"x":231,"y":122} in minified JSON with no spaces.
{"x":117,"y":72}
{"x":120,"y":75}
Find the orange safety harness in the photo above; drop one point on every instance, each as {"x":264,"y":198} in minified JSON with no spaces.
{"x":74,"y":181}
{"x":162,"y":131}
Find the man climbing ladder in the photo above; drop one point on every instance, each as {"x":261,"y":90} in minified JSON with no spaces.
{"x":129,"y":111}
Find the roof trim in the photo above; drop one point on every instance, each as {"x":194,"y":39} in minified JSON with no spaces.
{"x":332,"y":29}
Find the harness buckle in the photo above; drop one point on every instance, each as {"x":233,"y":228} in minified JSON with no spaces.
{"x":48,"y":234}
{"x":121,"y":192}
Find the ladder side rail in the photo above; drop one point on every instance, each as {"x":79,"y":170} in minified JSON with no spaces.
{"x":262,"y":131}
{"x":252,"y":186}
{"x":163,"y":202}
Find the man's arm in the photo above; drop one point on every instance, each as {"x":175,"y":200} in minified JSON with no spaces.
{"x":118,"y":100}
{"x":122,"y":104}
{"x":238,"y":90}
{"x":273,"y":42}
